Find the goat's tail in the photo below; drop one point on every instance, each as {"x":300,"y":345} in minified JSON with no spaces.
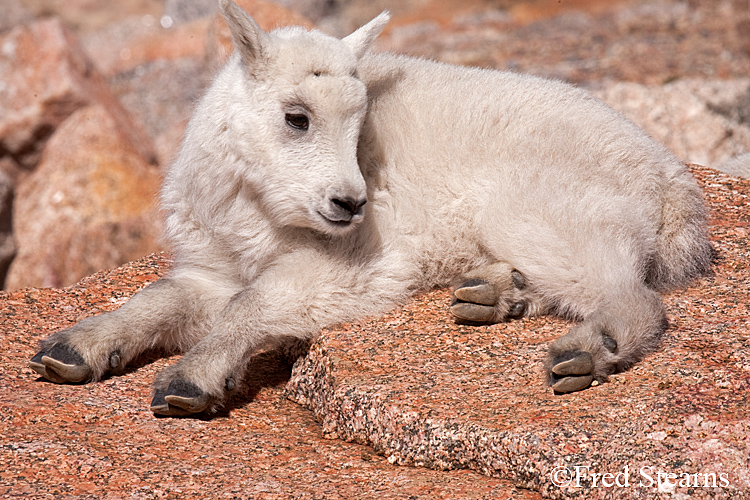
{"x":684,"y":251}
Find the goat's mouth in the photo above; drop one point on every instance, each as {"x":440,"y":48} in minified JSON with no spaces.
{"x":342,"y":213}
{"x":340,"y":223}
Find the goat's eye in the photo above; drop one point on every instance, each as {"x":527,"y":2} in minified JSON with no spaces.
{"x":299,"y":122}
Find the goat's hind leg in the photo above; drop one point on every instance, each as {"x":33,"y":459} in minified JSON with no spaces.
{"x":491,"y":294}
{"x":624,"y":328}
{"x":104,"y":344}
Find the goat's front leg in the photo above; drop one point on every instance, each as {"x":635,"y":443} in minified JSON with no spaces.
{"x":295,"y":298}
{"x":168,"y":314}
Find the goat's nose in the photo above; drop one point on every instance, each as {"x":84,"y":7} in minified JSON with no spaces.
{"x":349,"y":207}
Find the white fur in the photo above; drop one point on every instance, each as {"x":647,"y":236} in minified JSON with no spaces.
{"x":466,"y":172}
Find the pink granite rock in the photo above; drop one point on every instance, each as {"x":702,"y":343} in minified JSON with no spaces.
{"x":7,"y":243}
{"x":14,"y":13}
{"x":129,"y":43}
{"x":690,"y":117}
{"x":46,"y":77}
{"x":101,"y":440}
{"x":161,"y":94}
{"x":89,"y":205}
{"x":590,"y":40}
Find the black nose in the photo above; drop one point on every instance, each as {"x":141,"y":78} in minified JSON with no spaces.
{"x":349,"y":207}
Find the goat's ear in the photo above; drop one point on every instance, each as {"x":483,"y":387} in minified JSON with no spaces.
{"x":249,"y":39}
{"x":361,"y":40}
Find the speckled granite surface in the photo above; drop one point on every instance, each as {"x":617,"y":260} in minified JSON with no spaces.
{"x":414,"y":386}
{"x":424,"y":391}
{"x":102,"y":441}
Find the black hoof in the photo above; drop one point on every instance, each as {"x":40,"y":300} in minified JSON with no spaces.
{"x":572,"y":384}
{"x":475,"y":302}
{"x":180,"y":399}
{"x":478,"y":292}
{"x":572,"y":371}
{"x":60,"y":364}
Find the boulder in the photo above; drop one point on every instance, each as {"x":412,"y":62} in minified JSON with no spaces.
{"x":7,"y":244}
{"x":739,"y":166}
{"x":589,"y":40}
{"x":14,"y":13}
{"x":44,"y":77}
{"x":700,"y":121}
{"x":124,"y":46}
{"x":89,"y":205}
{"x":410,"y":387}
{"x":161,"y":95}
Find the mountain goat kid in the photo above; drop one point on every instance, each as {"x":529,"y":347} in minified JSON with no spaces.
{"x":318,"y":183}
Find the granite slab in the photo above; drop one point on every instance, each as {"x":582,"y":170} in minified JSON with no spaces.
{"x":101,"y":441}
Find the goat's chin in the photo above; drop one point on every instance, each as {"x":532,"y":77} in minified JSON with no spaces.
{"x":334,"y":227}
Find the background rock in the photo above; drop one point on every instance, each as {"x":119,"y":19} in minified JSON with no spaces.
{"x":267,"y":14}
{"x":84,"y":16}
{"x":650,"y":42}
{"x":128,"y":43}
{"x":7,"y":243}
{"x":46,"y":77}
{"x":14,"y":13}
{"x":161,"y":94}
{"x":698,"y":120}
{"x":739,"y":166}
{"x":89,"y":205}
{"x":182,"y":11}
